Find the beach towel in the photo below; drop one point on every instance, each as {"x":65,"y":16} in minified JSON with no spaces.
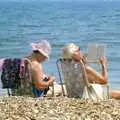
{"x":10,"y":73}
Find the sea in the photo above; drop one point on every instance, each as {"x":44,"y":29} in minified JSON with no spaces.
{"x":61,"y":22}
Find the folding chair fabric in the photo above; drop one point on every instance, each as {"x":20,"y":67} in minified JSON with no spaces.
{"x":73,"y":78}
{"x":25,"y":87}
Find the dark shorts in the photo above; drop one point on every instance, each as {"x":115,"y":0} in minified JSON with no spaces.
{"x":38,"y":92}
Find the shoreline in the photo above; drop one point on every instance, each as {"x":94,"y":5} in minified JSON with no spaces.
{"x":57,"y":108}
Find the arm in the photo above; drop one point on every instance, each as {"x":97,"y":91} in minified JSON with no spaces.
{"x":102,"y":79}
{"x":91,"y":73}
{"x":38,"y":77}
{"x":95,"y":76}
{"x":104,"y":71}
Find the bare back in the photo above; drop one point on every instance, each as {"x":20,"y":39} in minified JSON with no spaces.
{"x":37,"y":72}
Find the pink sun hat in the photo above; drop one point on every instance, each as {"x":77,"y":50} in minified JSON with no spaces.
{"x":43,"y":47}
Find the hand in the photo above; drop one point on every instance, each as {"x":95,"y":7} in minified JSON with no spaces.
{"x":103,"y":61}
{"x":77,"y":56}
{"x":51,"y":79}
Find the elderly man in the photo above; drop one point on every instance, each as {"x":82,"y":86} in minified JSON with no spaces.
{"x":72,"y":51}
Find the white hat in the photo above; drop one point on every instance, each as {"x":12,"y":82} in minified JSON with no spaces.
{"x":69,"y":49}
{"x":43,"y":47}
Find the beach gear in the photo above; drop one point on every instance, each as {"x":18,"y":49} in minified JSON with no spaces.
{"x":26,"y":78}
{"x":10,"y":73}
{"x":16,"y":76}
{"x":43,"y":47}
{"x":75,"y":80}
{"x":10,"y":78}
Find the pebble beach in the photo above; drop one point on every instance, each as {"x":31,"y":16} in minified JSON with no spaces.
{"x":23,"y":22}
{"x":57,"y":108}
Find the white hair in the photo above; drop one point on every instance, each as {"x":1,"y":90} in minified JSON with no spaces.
{"x":68,"y":50}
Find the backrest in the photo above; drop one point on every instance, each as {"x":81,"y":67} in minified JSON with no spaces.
{"x":26,"y":78}
{"x":16,"y":75}
{"x":26,"y":69}
{"x":10,"y":73}
{"x":74,"y":77}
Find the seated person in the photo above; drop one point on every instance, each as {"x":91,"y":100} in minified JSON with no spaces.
{"x":41,"y":83}
{"x":72,"y":51}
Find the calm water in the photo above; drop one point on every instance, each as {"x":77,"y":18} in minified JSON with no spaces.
{"x":61,"y":22}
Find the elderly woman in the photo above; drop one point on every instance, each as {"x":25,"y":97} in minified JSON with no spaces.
{"x":15,"y":72}
{"x":72,"y":51}
{"x":41,"y":82}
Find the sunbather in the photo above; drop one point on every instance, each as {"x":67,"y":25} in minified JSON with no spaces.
{"x":72,"y":51}
{"x":41,"y":83}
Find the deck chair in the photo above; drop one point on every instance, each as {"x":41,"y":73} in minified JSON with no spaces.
{"x":73,"y":76}
{"x":25,"y":88}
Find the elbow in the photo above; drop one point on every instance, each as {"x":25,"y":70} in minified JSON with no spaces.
{"x":104,"y":81}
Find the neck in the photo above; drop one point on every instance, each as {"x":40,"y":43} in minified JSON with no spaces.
{"x":33,"y":57}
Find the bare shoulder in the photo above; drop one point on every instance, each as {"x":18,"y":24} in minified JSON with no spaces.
{"x":88,"y":68}
{"x":36,"y":66}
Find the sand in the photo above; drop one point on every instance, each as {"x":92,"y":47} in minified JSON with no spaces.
{"x":57,"y":108}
